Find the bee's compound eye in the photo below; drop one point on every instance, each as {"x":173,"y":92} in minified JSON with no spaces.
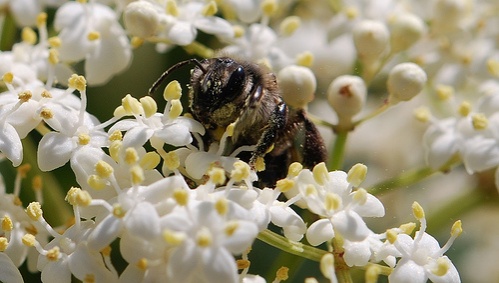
{"x":236,"y":81}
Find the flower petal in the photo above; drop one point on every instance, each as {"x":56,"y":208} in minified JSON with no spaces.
{"x":319,"y":232}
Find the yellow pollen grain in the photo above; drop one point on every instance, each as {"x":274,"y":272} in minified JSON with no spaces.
{"x":260,"y":164}
{"x":96,"y":182}
{"x":25,"y":95}
{"x":29,"y":240}
{"x":285,"y":185}
{"x":479,"y":121}
{"x":282,"y":273}
{"x":231,"y":228}
{"x":116,"y":136}
{"x":46,"y":113}
{"x":34,"y":211}
{"x":28,"y":35}
{"x":46,"y":94}
{"x":77,"y":82}
{"x":83,"y":139}
{"x":53,"y":254}
{"x":71,"y":195}
{"x":103,"y":169}
{"x":93,"y":35}
{"x":8,"y":77}
{"x":7,"y":224}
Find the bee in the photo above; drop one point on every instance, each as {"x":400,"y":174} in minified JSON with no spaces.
{"x":223,"y":90}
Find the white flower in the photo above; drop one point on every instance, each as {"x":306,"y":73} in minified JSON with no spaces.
{"x":8,"y":271}
{"x":91,"y":32}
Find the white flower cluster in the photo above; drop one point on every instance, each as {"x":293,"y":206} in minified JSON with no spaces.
{"x":184,"y":211}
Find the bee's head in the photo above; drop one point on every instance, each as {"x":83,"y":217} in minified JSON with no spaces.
{"x":218,"y":91}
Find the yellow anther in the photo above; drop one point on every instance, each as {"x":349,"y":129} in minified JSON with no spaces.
{"x":136,"y":42}
{"x":357,"y":174}
{"x":442,"y":267}
{"x":238,"y":31}
{"x":41,"y":19}
{"x":96,"y":182}
{"x":305,"y":59}
{"x":23,"y":170}
{"x":54,"y":42}
{"x":269,"y":7}
{"x":8,"y":77}
{"x":231,"y":228}
{"x":149,"y":105}
{"x":372,"y":273}
{"x":407,"y":228}
{"x":46,"y":113}
{"x":34,"y":211}
{"x":46,"y":94}
{"x":217,"y":175}
{"x":171,"y":8}
{"x":7,"y":224}
{"x":422,"y":114}
{"x":457,"y":229}
{"x":310,"y":190}
{"x":53,"y":254}
{"x":172,"y":161}
{"x":115,"y":149}
{"x":120,"y":112}
{"x":4,"y":243}
{"x":131,"y":156}
{"x":464,"y":109}
{"x":53,"y":56}
{"x":173,"y":238}
{"x":391,"y":235}
{"x":243,"y":264}
{"x":444,"y":92}
{"x":116,"y":136}
{"x":28,"y":35}
{"x":176,"y":109}
{"x":93,"y":35}
{"x":142,"y":264}
{"x":332,"y":201}
{"x":84,"y":139}
{"x":321,"y":175}
{"x":172,"y":91}
{"x":210,"y":9}
{"x":479,"y":121}
{"x":83,"y":198}
{"x":351,"y":12}
{"x":181,"y":197}
{"x":204,"y":238}
{"x":418,"y":211}
{"x":150,"y":160}
{"x":25,"y":95}
{"x":118,"y":211}
{"x":71,"y":195}
{"x":222,"y":206}
{"x":241,"y":171}
{"x":260,"y":164}
{"x":289,"y":25}
{"x":285,"y":185}
{"x":131,"y":105}
{"x":230,"y":129}
{"x":103,"y":169}
{"x":29,"y":240}
{"x":137,"y":175}
{"x":493,"y":67}
{"x":327,"y":265}
{"x":360,"y":196}
{"x":294,"y":169}
{"x":77,"y":82}
{"x":106,"y":251}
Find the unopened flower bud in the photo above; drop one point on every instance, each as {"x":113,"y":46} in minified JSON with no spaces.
{"x":405,"y":29}
{"x":370,"y":39}
{"x":297,"y":85}
{"x":347,"y":95}
{"x":141,"y":19}
{"x":405,"y":81}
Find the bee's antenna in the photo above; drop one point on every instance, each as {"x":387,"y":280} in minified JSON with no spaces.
{"x":163,"y":76}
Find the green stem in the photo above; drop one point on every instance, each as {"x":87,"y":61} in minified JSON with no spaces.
{"x":291,"y":247}
{"x":404,"y":179}
{"x":341,"y":268}
{"x":337,"y":155}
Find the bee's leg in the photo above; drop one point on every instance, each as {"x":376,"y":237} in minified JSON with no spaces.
{"x":276,"y":124}
{"x":314,"y":150}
